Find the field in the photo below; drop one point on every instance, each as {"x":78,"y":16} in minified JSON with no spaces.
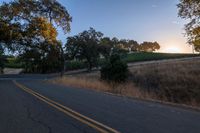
{"x":133,"y":57}
{"x":174,"y":81}
{"x":136,"y":57}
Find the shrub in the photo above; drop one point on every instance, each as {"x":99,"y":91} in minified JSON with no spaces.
{"x":115,"y":70}
{"x":74,"y":65}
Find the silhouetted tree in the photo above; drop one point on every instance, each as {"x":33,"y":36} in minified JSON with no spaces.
{"x":85,"y":46}
{"x":149,"y":46}
{"x":133,"y":45}
{"x":106,"y":46}
{"x":190,"y":10}
{"x":29,"y":24}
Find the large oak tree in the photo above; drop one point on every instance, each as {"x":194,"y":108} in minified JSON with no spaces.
{"x":29,"y":25}
{"x":190,"y":10}
{"x":85,"y":46}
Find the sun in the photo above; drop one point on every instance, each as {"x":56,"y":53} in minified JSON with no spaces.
{"x":172,"y":50}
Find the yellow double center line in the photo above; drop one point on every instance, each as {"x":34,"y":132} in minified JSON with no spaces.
{"x":84,"y":119}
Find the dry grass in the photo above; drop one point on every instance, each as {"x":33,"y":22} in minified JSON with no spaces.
{"x":82,"y":83}
{"x":176,"y":82}
{"x":94,"y":83}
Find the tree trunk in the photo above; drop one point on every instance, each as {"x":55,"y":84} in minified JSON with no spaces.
{"x":89,"y":66}
{"x":62,"y":62}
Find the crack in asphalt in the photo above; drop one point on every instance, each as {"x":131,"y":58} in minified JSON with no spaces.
{"x":29,"y":116}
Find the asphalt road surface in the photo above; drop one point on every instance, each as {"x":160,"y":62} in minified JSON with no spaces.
{"x":31,"y":105}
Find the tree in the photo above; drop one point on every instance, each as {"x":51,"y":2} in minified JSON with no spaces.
{"x":196,"y":38}
{"x":85,"y":46}
{"x":109,"y":47}
{"x":190,"y":10}
{"x":149,"y":46}
{"x":106,"y":46}
{"x":115,"y":70}
{"x":133,"y":45}
{"x":42,"y":60}
{"x":27,"y":9}
{"x":10,"y":34}
{"x":29,"y":25}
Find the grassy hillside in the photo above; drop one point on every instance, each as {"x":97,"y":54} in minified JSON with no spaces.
{"x":133,"y":57}
{"x":176,"y":81}
{"x":154,"y":56}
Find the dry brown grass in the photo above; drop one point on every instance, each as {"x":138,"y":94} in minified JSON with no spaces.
{"x":176,"y":82}
{"x":94,"y":83}
{"x":173,"y":81}
{"x":83,"y":82}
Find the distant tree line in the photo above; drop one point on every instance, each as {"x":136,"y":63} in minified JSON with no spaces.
{"x":90,"y":45}
{"x":130,"y":45}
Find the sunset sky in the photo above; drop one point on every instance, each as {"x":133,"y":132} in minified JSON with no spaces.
{"x":140,"y":20}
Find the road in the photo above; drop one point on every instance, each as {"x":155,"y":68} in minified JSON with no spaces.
{"x":32,"y":105}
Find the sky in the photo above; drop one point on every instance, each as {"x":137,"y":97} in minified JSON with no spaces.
{"x":140,"y":20}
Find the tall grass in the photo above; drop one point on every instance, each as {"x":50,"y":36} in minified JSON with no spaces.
{"x":93,"y":82}
{"x":176,"y":82}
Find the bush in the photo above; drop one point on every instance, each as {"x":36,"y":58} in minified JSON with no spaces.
{"x":75,"y":65}
{"x":115,"y":70}
{"x":13,"y":62}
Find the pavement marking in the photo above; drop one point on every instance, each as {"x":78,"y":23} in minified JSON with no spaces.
{"x":84,"y":119}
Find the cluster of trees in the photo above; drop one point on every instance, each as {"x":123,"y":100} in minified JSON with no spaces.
{"x":28,"y":28}
{"x":130,"y":45}
{"x":90,"y":45}
{"x":190,"y":10}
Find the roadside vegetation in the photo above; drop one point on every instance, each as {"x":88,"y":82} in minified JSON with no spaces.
{"x":13,"y":62}
{"x":114,"y":70}
{"x":175,"y":82}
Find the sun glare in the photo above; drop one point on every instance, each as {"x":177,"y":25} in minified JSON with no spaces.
{"x":172,"y":50}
